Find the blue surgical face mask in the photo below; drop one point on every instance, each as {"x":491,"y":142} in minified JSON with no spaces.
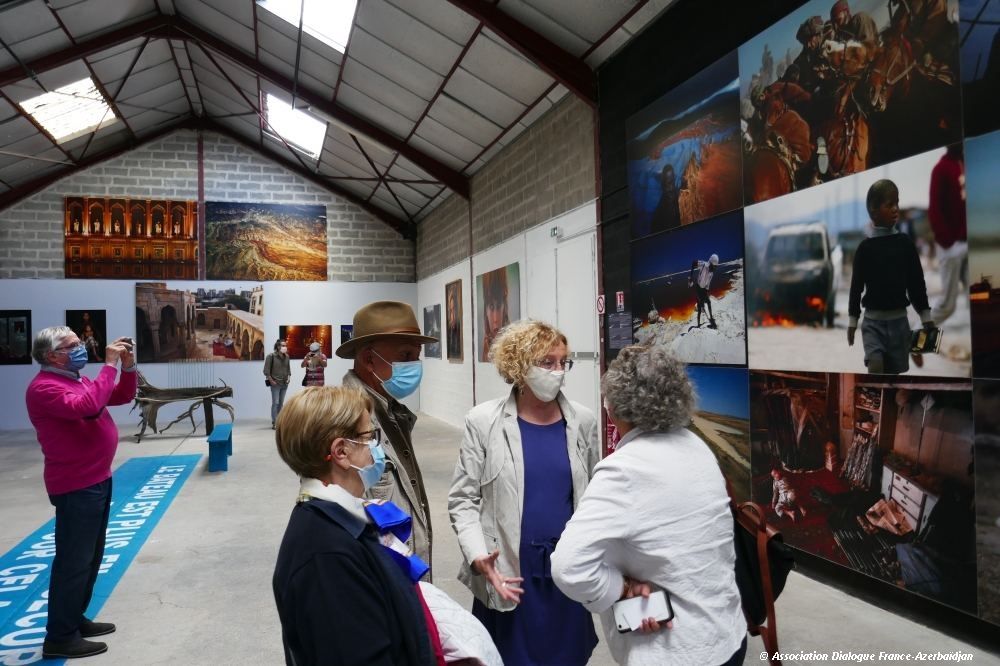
{"x":405,"y":379}
{"x":77,"y":358}
{"x":370,"y":474}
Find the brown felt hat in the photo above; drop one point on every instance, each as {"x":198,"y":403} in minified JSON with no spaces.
{"x":381,"y":320}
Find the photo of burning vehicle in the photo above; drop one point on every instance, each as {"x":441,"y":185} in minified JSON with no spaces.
{"x":802,"y":256}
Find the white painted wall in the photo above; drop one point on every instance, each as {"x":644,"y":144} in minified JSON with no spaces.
{"x":447,"y":389}
{"x":331,"y":303}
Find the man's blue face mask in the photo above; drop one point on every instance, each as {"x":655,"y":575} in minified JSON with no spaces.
{"x":77,"y":358}
{"x":405,"y":378}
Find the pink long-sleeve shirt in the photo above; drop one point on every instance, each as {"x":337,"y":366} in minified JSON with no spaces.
{"x":78,"y":436}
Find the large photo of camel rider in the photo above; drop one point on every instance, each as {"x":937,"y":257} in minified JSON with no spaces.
{"x":837,"y":87}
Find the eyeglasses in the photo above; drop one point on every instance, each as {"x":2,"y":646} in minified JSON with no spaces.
{"x":68,"y":348}
{"x":549,"y":364}
{"x":374,"y":433}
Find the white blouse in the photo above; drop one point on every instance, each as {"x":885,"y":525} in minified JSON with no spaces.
{"x":657,"y":510}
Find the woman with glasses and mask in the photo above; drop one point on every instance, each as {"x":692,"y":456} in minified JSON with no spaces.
{"x":78,"y":439}
{"x":342,"y":597}
{"x":524,"y":463}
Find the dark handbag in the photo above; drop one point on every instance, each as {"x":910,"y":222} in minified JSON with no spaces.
{"x":763,"y":561}
{"x":267,"y":382}
{"x":304,"y":379}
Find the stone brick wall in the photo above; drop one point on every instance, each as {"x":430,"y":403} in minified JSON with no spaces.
{"x":361,"y":248}
{"x":547,"y":171}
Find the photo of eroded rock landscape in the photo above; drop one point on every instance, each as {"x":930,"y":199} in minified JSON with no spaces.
{"x":265,"y":241}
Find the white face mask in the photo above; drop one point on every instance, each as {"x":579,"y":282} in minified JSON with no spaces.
{"x":545,"y":384}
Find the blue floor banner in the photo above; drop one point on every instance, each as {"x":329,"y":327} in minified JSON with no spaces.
{"x":142,"y":490}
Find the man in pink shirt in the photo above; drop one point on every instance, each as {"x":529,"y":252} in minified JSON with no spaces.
{"x":79,"y":439}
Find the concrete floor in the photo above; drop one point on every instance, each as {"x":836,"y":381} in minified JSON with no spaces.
{"x":199,"y":591}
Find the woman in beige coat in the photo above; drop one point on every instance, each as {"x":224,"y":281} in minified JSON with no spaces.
{"x":525,"y":462}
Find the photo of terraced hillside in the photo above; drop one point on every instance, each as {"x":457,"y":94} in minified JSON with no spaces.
{"x":265,"y":241}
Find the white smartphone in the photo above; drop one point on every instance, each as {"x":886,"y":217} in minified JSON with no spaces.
{"x":629,"y":613}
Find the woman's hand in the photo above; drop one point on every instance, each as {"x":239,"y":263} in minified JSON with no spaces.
{"x":639,"y":588}
{"x":507,"y":587}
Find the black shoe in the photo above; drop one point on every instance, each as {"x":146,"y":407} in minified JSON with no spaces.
{"x":89,"y":628}
{"x":72,"y":649}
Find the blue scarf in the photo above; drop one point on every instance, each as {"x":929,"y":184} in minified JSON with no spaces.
{"x":394,"y":527}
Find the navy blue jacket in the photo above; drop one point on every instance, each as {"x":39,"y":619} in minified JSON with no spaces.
{"x":341,"y":599}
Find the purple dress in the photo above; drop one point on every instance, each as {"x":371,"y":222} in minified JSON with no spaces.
{"x":547,"y":628}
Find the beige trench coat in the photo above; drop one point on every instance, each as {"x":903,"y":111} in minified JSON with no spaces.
{"x":487,"y":489}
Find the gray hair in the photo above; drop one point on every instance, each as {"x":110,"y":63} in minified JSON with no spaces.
{"x":649,"y":388}
{"x":47,"y":340}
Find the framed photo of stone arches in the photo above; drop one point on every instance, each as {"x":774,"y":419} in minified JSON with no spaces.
{"x":199,"y":321}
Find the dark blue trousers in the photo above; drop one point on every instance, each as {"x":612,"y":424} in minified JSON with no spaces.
{"x":81,"y":525}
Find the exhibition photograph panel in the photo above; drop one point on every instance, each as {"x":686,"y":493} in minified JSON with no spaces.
{"x":91,"y":327}
{"x":299,"y":337}
{"x":871,"y":472}
{"x":265,"y":241}
{"x":199,"y":321}
{"x":432,"y":327}
{"x":453,"y":319}
{"x":829,"y":93}
{"x":684,"y":152}
{"x":722,"y":421}
{"x":801,"y":251}
{"x":689,"y":285}
{"x":498,"y":293}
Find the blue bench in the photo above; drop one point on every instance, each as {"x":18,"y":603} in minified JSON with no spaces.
{"x":220,"y":447}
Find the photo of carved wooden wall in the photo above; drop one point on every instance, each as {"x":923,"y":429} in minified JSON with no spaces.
{"x":131,"y":238}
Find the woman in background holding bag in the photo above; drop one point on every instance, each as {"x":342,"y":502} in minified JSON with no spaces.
{"x":277,"y":373}
{"x":656,"y":516}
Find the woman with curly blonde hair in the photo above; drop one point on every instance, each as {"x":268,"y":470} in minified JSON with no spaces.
{"x":524,"y":463}
{"x":656,"y":517}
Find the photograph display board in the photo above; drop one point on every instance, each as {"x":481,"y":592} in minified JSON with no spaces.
{"x":15,"y":337}
{"x":691,"y":281}
{"x":199,"y":321}
{"x":983,"y":203}
{"x":829,"y":93}
{"x":107,"y":237}
{"x":91,"y":327}
{"x":873,"y":471}
{"x":432,"y":327}
{"x":299,"y":337}
{"x":722,"y":420}
{"x":979,"y":35}
{"x":265,"y":241}
{"x":453,"y":320}
{"x":498,"y":294}
{"x":684,"y":152}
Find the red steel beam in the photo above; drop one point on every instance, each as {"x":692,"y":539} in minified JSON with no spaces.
{"x":558,"y":63}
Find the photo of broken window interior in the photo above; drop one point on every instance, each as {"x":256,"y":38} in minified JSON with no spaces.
{"x":871,"y":473}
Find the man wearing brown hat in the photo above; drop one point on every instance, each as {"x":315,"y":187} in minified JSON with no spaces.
{"x":386,"y":352}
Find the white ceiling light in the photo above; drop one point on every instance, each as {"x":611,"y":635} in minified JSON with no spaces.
{"x":70,"y":111}
{"x":327,"y":20}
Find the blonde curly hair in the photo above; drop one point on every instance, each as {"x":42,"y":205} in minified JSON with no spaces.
{"x":520,"y":345}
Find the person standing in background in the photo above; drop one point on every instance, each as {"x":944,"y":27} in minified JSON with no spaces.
{"x":277,"y":374}
{"x":314,"y":363}
{"x":78,"y":439}
{"x":946,"y":212}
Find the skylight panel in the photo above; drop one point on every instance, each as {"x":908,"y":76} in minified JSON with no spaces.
{"x":70,"y":111}
{"x":296,"y":127}
{"x":327,"y":20}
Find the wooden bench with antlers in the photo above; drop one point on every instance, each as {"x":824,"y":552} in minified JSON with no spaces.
{"x":149,"y":399}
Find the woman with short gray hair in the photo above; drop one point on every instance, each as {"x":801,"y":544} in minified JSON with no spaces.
{"x":656,"y":517}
